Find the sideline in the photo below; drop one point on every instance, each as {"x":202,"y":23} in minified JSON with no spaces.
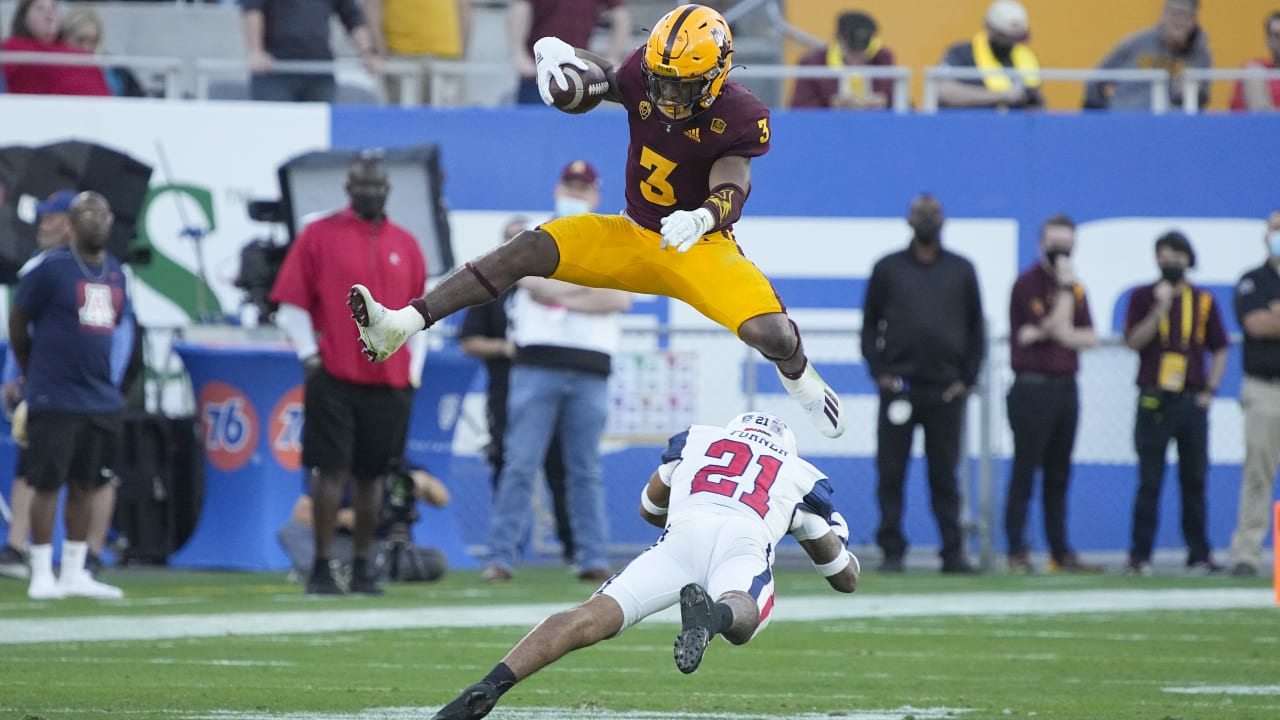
{"x":795,"y":609}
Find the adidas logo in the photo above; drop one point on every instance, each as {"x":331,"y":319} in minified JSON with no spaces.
{"x":693,"y":134}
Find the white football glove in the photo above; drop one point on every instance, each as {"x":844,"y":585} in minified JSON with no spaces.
{"x":682,"y":228}
{"x":840,"y":527}
{"x":550,"y":53}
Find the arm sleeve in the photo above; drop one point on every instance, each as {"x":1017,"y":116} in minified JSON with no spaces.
{"x":11,"y":370}
{"x":296,"y":324}
{"x":884,"y":58}
{"x":675,"y":447}
{"x":1095,"y":93}
{"x":1083,"y":318}
{"x":122,"y":347}
{"x":1216,"y":333}
{"x":350,"y":13}
{"x":1136,"y":310}
{"x":872,"y":306}
{"x":806,"y":94}
{"x":976,"y":351}
{"x":756,"y":134}
{"x":1247,"y":298}
{"x":1019,"y":312}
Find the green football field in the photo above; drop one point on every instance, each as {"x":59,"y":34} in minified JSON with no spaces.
{"x":237,"y":646}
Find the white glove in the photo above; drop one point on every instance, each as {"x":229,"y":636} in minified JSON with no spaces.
{"x":550,"y":53}
{"x":682,"y":228}
{"x":840,"y":527}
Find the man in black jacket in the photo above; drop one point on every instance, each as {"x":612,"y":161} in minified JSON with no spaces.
{"x":923,"y":342}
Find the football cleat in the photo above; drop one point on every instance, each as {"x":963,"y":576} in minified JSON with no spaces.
{"x":695,"y":633}
{"x":474,"y":703}
{"x":819,"y":401}
{"x":382,"y":331}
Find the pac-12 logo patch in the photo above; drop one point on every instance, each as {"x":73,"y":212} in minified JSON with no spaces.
{"x":230,"y":425}
{"x":284,"y":429}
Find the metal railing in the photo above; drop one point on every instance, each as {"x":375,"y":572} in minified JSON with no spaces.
{"x":1159,"y":80}
{"x":1193,"y":77}
{"x":900,"y":102}
{"x":170,"y":68}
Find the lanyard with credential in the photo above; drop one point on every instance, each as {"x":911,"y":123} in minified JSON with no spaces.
{"x":1186,"y":321}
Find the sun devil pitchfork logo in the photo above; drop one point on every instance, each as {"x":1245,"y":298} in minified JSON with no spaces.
{"x":230,"y":426}
{"x":284,"y":429}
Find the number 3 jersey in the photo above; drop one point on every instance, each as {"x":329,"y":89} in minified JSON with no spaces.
{"x":739,"y":475}
{"x":669,"y":162}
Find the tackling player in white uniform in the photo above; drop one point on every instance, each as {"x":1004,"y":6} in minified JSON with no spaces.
{"x":725,"y":496}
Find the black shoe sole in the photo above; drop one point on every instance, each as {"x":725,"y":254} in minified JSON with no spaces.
{"x":695,"y":634}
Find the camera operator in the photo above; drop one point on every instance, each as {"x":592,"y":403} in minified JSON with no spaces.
{"x":396,"y":557}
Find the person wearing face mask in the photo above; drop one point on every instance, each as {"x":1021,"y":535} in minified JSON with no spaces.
{"x":565,"y":336}
{"x":356,"y":413}
{"x":923,"y":343}
{"x":1001,"y":48}
{"x":483,"y":336}
{"x":1257,"y":306}
{"x":1172,"y":324}
{"x":1177,"y":42}
{"x":1050,"y":321}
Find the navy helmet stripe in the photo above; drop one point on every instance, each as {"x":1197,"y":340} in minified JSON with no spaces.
{"x":675,"y":32}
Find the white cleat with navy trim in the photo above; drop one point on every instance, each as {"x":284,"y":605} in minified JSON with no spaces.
{"x":819,"y":401}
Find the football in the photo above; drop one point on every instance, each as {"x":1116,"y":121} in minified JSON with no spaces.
{"x":586,"y":89}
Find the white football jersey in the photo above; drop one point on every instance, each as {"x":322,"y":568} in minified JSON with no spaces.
{"x":738,"y":473}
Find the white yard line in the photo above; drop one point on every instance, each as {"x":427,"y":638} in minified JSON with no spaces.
{"x":157,"y":627}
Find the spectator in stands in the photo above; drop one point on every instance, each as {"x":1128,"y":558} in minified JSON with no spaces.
{"x":1257,"y":305}
{"x":1260,"y":94}
{"x":484,"y":335}
{"x":297,"y":536}
{"x":35,"y":29}
{"x":1050,"y":321}
{"x":1172,"y":324}
{"x":60,"y":326}
{"x":856,"y":45}
{"x":923,"y":343}
{"x":356,"y":412}
{"x":570,"y":20}
{"x":419,"y":31}
{"x":565,"y":337}
{"x":280,"y":30}
{"x":54,"y":231}
{"x":82,"y":28}
{"x":1012,"y":79}
{"x":1175,"y":43}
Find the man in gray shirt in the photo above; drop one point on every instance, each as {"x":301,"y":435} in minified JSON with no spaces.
{"x":1175,"y":43}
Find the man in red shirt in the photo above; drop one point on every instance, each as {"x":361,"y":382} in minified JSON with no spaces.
{"x":857,"y":44}
{"x":35,"y":29}
{"x":1261,"y":94}
{"x":569,"y":20}
{"x":357,"y":413}
{"x":1172,"y":324}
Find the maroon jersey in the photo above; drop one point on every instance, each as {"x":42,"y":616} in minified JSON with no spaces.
{"x":1034,"y":295}
{"x":669,"y":163}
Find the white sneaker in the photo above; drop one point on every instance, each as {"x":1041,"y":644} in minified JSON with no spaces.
{"x":382,"y":331}
{"x":83,"y":585}
{"x":819,"y":401}
{"x":44,"y":587}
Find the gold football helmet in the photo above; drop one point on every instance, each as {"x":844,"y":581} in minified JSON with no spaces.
{"x":686,"y":61}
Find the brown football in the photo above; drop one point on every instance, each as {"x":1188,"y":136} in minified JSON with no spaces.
{"x":586,"y":88}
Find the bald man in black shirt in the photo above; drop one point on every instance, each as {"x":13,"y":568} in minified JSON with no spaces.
{"x":923,"y":342}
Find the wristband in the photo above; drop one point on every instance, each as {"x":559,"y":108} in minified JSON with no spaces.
{"x":650,"y":506}
{"x":725,"y":205}
{"x":835,"y":566}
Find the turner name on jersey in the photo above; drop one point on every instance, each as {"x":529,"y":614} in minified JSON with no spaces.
{"x":713,"y":470}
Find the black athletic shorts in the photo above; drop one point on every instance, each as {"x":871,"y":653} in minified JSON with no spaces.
{"x":360,"y":428}
{"x":69,"y":446}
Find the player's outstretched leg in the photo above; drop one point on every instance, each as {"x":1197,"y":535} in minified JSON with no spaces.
{"x":475,"y":702}
{"x":819,"y":401}
{"x":382,"y":331}
{"x":696,"y":622}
